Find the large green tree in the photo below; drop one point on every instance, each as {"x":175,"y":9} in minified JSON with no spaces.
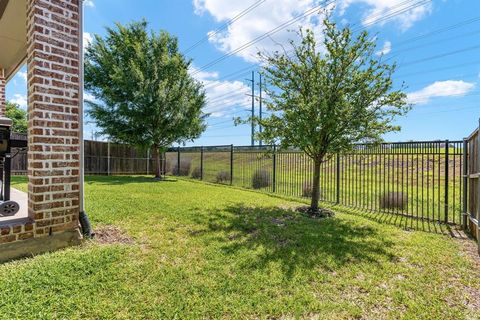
{"x":144,"y":93}
{"x":18,"y":116}
{"x":325,"y":97}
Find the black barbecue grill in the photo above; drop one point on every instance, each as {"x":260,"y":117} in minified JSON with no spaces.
{"x":7,"y":206}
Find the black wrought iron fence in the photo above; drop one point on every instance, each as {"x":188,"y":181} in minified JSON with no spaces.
{"x":416,"y":179}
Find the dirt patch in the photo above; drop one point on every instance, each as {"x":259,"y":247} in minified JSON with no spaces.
{"x":319,"y":213}
{"x":112,"y":235}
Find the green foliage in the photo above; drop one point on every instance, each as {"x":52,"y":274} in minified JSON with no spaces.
{"x":322,"y":101}
{"x":145,"y":94}
{"x":18,"y":116}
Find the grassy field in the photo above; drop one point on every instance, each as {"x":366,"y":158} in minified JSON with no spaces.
{"x":364,"y":178}
{"x":206,"y":251}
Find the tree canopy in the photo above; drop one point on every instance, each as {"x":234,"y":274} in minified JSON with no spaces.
{"x":325,"y":97}
{"x":18,"y":116}
{"x":144,"y":93}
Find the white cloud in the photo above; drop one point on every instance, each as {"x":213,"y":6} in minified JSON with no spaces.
{"x":269,"y":15}
{"x":259,"y":21}
{"x":20,"y":99}
{"x":88,"y":96}
{"x":438,"y":89}
{"x":387,"y":47}
{"x":87,"y":39}
{"x":22,"y":75}
{"x":89,"y":3}
{"x":223,"y":97}
{"x":382,"y":8}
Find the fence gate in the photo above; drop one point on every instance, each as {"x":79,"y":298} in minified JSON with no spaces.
{"x":472,"y":179}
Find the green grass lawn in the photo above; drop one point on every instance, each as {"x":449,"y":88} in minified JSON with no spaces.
{"x":206,"y":251}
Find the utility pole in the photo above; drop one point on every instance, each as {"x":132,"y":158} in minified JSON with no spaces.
{"x":253,"y":106}
{"x":260,"y":128}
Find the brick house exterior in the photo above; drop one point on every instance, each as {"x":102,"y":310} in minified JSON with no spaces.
{"x":53,"y":46}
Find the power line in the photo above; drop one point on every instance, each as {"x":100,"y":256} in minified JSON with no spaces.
{"x":442,"y":55}
{"x":225,"y":25}
{"x":438,"y":31}
{"x":396,"y":13}
{"x":220,"y":106}
{"x":222,"y":96}
{"x":233,"y":74}
{"x":392,"y":14}
{"x":461,"y":76}
{"x":431,"y":43}
{"x":441,"y":69}
{"x":416,"y":38}
{"x":264,"y":36}
{"x":477,"y":106}
{"x":435,"y":70}
{"x":443,"y":29}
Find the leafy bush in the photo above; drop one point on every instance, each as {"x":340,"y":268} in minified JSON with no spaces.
{"x":196,"y":173}
{"x":393,"y":200}
{"x":185,"y":166}
{"x":261,"y":179}
{"x":223,"y":177}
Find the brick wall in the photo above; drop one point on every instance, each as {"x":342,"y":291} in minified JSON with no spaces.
{"x":2,"y":92}
{"x":53,"y":31}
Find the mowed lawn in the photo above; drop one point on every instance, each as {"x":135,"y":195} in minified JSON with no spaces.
{"x":205,"y":251}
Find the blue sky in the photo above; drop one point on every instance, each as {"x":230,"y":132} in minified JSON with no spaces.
{"x":435,"y":43}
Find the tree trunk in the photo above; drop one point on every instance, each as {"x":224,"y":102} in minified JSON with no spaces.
{"x":316,"y":186}
{"x":158,"y":170}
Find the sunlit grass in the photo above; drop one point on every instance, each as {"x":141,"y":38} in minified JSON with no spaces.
{"x":206,"y":251}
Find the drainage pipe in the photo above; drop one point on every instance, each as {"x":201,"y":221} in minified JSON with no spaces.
{"x":83,"y":218}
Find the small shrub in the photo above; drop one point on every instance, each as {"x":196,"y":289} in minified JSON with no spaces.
{"x":393,"y":200}
{"x":196,"y":173}
{"x":223,"y":177}
{"x":184,"y":168}
{"x":261,"y":179}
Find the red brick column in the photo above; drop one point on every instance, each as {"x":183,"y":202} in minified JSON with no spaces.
{"x":53,"y":55}
{"x":2,"y":92}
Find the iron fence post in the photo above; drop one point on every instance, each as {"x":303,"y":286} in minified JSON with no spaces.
{"x":201,"y":163}
{"x":178,"y":161}
{"x":338,"y":179}
{"x":274,"y":173}
{"x":447,"y":146}
{"x":465,"y":184}
{"x":231,"y":164}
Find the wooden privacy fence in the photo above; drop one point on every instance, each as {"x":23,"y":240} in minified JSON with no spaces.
{"x":472,"y":182}
{"x":100,"y":158}
{"x":116,"y":159}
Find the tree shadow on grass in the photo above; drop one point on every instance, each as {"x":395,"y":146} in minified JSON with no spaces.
{"x":273,"y":234}
{"x":406,"y":222}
